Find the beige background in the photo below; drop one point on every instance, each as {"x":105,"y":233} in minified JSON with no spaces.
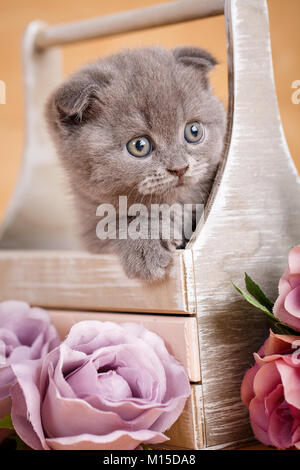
{"x":209,"y":33}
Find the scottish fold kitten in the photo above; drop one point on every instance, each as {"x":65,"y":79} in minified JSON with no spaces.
{"x":143,"y":124}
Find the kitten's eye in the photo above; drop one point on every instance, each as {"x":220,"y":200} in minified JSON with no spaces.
{"x":139,"y":146}
{"x":194,"y":132}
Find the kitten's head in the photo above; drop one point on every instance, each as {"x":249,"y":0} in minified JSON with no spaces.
{"x":142,"y":122}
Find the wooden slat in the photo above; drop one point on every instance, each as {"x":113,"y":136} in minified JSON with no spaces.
{"x":127,"y":21}
{"x":40,"y":214}
{"x":179,"y":333}
{"x":188,"y":431}
{"x":81,"y":281}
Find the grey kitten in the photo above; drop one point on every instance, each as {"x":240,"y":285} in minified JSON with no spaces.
{"x":145,"y":124}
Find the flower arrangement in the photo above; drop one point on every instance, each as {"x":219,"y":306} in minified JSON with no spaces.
{"x":271,"y":388}
{"x":106,"y":386}
{"x":109,"y":386}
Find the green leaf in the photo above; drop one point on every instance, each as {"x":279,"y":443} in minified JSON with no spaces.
{"x":6,"y":422}
{"x":257,"y":293}
{"x":284,"y":329}
{"x":276,"y":325}
{"x":253,"y":301}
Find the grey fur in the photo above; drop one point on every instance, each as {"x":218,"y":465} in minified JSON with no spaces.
{"x":93,"y":115}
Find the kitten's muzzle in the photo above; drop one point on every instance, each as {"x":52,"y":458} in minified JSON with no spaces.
{"x":180,"y":172}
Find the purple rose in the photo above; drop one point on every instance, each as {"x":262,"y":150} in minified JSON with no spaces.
{"x":107,"y":386}
{"x":25,"y":333}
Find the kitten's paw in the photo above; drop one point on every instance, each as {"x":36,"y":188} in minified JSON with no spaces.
{"x":148,"y":260}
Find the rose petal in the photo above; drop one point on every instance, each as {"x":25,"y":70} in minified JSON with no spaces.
{"x":114,"y":441}
{"x":172,"y":367}
{"x":86,"y":381}
{"x":7,"y":378}
{"x":260,"y":434}
{"x":280,"y":427}
{"x":113,"y":386}
{"x":283,"y":315}
{"x":297,"y":445}
{"x":10,"y":307}
{"x":174,"y":410}
{"x":247,"y":392}
{"x":25,"y":334}
{"x":25,"y":411}
{"x":64,"y":417}
{"x":88,"y":336}
{"x":139,"y":417}
{"x":292,"y":302}
{"x":19,"y":354}
{"x":142,"y":384}
{"x":265,"y":380}
{"x":294,"y":260}
{"x":61,"y":361}
{"x":279,"y":344}
{"x":294,"y":280}
{"x":258,"y":413}
{"x":5,"y":406}
{"x":296,"y":434}
{"x":274,"y":400}
{"x":290,"y":377}
{"x":295,"y":413}
{"x":259,"y":421}
{"x":9,"y":338}
{"x":83,"y":380}
{"x":284,"y":285}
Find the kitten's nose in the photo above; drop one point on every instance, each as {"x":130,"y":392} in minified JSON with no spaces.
{"x":178,"y":171}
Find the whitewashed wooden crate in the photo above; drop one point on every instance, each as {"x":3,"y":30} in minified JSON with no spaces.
{"x":250,"y":222}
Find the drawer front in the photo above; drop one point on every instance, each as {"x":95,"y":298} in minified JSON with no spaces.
{"x":79,"y":280}
{"x":179,"y":333}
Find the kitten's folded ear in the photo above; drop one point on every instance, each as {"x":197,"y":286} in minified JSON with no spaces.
{"x":195,"y":57}
{"x":74,"y":102}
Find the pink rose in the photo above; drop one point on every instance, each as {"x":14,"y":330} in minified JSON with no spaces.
{"x":287,"y":305}
{"x":271,"y":391}
{"x":107,"y":386}
{"x":25,"y":333}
